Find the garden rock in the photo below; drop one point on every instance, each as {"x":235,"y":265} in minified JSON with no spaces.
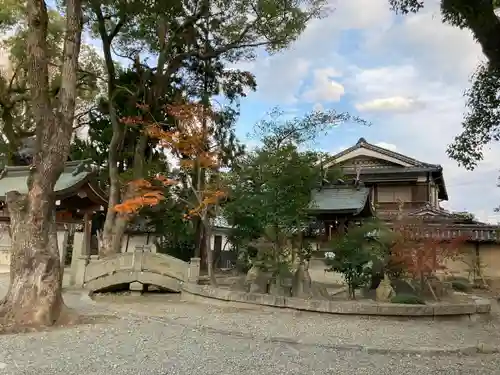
{"x":384,"y":292}
{"x":301,"y":283}
{"x":256,"y":281}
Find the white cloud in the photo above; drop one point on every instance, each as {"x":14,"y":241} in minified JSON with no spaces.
{"x":391,"y":104}
{"x":323,"y":87}
{"x":280,"y":76}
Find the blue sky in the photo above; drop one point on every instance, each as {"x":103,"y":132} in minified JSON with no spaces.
{"x":406,"y":75}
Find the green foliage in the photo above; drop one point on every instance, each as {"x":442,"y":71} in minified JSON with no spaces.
{"x":407,"y":299}
{"x":236,"y":27}
{"x":354,"y":254}
{"x":277,"y":130}
{"x":96,"y":144}
{"x":271,"y":189}
{"x":482,"y":122}
{"x":175,"y":234}
{"x":11,"y":11}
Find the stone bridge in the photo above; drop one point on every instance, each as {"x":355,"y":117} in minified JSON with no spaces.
{"x":146,"y":268}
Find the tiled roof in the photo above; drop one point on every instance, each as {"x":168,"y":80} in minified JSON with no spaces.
{"x":341,"y":199}
{"x":15,"y":178}
{"x":362,"y":143}
{"x":415,"y":165}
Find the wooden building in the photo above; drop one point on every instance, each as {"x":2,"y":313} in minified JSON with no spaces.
{"x":394,"y":184}
{"x":77,"y":199}
{"x":80,"y":203}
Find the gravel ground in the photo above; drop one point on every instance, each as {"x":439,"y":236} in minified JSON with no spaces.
{"x":130,"y":346}
{"x":314,"y":328}
{"x":166,"y":344}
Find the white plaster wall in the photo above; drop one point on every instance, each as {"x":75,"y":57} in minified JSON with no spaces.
{"x":4,"y":248}
{"x":4,"y":256}
{"x":226,"y":244}
{"x":60,"y":244}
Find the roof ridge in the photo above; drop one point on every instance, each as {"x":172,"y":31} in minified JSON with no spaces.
{"x":399,"y":155}
{"x":17,"y":168}
{"x":362,"y":143}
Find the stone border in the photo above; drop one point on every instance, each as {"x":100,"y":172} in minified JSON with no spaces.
{"x":478,"y":306}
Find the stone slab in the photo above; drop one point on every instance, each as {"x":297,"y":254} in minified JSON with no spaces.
{"x":480,"y":306}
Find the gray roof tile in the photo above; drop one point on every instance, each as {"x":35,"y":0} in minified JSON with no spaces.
{"x":339,"y":199}
{"x":15,"y":178}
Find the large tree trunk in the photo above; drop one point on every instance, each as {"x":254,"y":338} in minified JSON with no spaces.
{"x":34,"y":295}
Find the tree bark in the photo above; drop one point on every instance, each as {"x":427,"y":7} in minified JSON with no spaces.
{"x":34,"y":296}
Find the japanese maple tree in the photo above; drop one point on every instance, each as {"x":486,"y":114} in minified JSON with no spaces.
{"x":190,"y":141}
{"x":421,"y":249}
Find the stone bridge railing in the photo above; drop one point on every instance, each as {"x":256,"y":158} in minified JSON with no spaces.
{"x":92,"y":268}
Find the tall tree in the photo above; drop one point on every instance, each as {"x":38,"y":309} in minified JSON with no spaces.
{"x":34,"y":295}
{"x":176,"y":33}
{"x":481,"y":122}
{"x":270,"y":188}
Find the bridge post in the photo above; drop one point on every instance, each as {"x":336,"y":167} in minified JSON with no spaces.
{"x":76,"y":256}
{"x":80,"y":262}
{"x":193,"y":271}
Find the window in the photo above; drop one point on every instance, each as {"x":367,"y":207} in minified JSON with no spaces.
{"x":390,"y":194}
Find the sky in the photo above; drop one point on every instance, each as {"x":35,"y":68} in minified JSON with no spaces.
{"x":406,"y":75}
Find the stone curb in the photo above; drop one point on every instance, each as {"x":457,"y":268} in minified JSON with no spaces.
{"x":478,"y":306}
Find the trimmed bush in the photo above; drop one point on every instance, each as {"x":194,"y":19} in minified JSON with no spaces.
{"x":407,"y":299}
{"x":461,"y":286}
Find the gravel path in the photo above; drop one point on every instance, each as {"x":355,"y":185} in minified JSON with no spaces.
{"x":131,"y":346}
{"x":174,"y":339}
{"x":314,"y":328}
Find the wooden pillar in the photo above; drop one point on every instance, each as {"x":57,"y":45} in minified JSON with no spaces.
{"x":342,"y":225}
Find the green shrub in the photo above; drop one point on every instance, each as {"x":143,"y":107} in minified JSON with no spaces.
{"x":461,"y":285}
{"x":407,"y":299}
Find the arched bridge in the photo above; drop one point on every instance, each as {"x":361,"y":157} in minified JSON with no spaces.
{"x":147,"y":268}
